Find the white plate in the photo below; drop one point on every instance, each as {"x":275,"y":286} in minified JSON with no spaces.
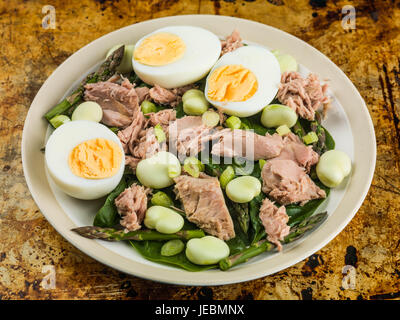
{"x":348,"y":121}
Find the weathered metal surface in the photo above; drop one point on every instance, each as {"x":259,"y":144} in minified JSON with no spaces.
{"x":369,"y":55}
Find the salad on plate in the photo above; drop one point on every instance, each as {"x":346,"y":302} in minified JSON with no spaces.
{"x":207,"y":152}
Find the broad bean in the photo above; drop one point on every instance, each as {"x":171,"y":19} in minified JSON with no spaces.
{"x":163,"y":219}
{"x":172,"y":248}
{"x":286,"y":61}
{"x":333,"y":167}
{"x":161,"y":199}
{"x":243,"y":189}
{"x":158,"y":171}
{"x":276,"y":115}
{"x":194,"y":102}
{"x":206,"y":250}
{"x":88,"y":110}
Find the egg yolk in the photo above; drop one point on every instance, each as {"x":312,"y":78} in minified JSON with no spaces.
{"x":232,"y":83}
{"x":95,"y":159}
{"x":160,"y":49}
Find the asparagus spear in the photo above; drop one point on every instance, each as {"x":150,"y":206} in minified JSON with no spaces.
{"x":263,"y":245}
{"x":316,"y":126}
{"x":298,"y":129}
{"x":105,"y":71}
{"x":110,"y":234}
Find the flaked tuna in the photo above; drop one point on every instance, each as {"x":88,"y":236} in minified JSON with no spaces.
{"x":148,"y":145}
{"x":188,"y":135}
{"x":204,"y":205}
{"x":303,"y":95}
{"x":170,"y":97}
{"x":275,"y":221}
{"x":287,"y":182}
{"x":231,"y":43}
{"x":132,"y":205}
{"x":131,"y":134}
{"x":294,"y":149}
{"x":119,"y":102}
{"x":163,"y":118}
{"x":247,"y":144}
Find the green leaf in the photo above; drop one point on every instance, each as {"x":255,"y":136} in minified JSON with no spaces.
{"x":299,"y":213}
{"x":257,"y":228}
{"x":151,"y":250}
{"x":179,"y":111}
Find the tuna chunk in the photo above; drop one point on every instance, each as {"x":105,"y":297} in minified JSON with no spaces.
{"x":119,"y":102}
{"x":148,"y":145}
{"x":204,"y":205}
{"x":143,"y":93}
{"x":287,"y":183}
{"x":231,"y":42}
{"x":303,"y":95}
{"x":131,"y":134}
{"x":170,"y":97}
{"x":163,"y":118}
{"x":132,"y":205}
{"x":132,"y":162}
{"x":294,"y":149}
{"x":247,"y":144}
{"x":275,"y":221}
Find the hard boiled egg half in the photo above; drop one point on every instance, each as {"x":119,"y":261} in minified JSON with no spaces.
{"x":243,"y":81}
{"x":85,"y":159}
{"x":175,"y":56}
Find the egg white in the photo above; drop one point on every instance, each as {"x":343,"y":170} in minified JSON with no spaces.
{"x":264,"y":65}
{"x":203,"y":49}
{"x":58,"y":147}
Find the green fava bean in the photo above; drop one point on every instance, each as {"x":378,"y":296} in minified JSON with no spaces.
{"x":158,"y":171}
{"x":286,"y":61}
{"x":172,"y":248}
{"x":163,"y":219}
{"x":192,"y":93}
{"x":195,"y":106}
{"x":276,"y":115}
{"x":243,"y":189}
{"x":333,"y":167}
{"x":206,"y":250}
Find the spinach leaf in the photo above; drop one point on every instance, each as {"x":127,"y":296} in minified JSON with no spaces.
{"x":298,"y":213}
{"x":179,"y":111}
{"x":151,"y":250}
{"x":254,"y":123}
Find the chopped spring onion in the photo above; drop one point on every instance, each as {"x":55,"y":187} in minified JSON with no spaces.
{"x":227,"y":175}
{"x":233,"y":122}
{"x":283,"y":130}
{"x":148,"y":107}
{"x":159,"y":133}
{"x":193,"y":166}
{"x":310,"y":137}
{"x":210,"y":118}
{"x":172,"y":248}
{"x":59,"y":120}
{"x":161,"y":199}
